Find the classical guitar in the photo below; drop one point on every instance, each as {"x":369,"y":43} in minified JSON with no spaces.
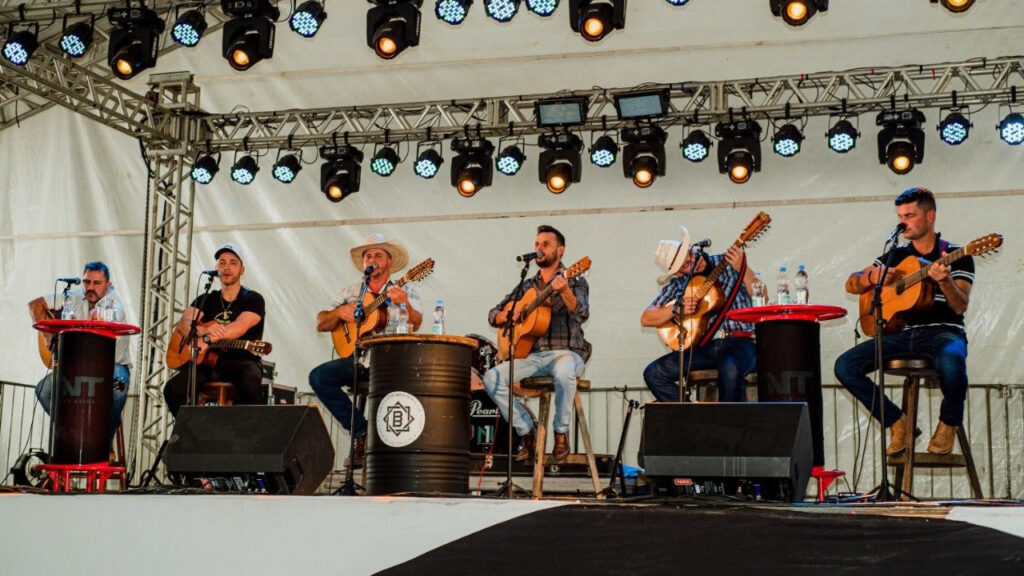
{"x":39,"y":310}
{"x":908,"y":292}
{"x":375,"y":314}
{"x":178,"y":355}
{"x":709,"y":294}
{"x":533,"y":315}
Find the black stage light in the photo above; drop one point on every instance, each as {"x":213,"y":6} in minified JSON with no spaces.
{"x":842,"y":136}
{"x":471,"y":167}
{"x":955,"y":6}
{"x":594,"y":19}
{"x":739,"y":149}
{"x":249,"y":35}
{"x":542,"y":8}
{"x":307,"y":18}
{"x":189,"y":28}
{"x":786,"y":140}
{"x":510,"y":160}
{"x":76,"y":38}
{"x":339,"y":174}
{"x":954,"y":128}
{"x":428,"y":161}
{"x":501,"y":10}
{"x":392,"y":26}
{"x":452,"y":11}
{"x":384,"y":161}
{"x":287,"y":168}
{"x":204,"y":169}
{"x":604,"y":151}
{"x":643,"y":158}
{"x":901,"y":140}
{"x":134,"y":40}
{"x":797,"y":12}
{"x":559,"y":164}
{"x":1011,"y":129}
{"x":677,"y":2}
{"x":696,"y":146}
{"x":642,"y":105}
{"x":244,"y":170}
{"x":20,"y":45}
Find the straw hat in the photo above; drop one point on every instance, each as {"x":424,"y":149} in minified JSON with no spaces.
{"x":670,"y":255}
{"x":399,"y":256}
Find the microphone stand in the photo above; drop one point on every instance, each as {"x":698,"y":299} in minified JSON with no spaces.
{"x":617,"y":468}
{"x":508,"y":488}
{"x":193,"y":341}
{"x":678,"y":309}
{"x":349,"y":487}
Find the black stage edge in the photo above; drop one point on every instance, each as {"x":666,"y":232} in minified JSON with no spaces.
{"x":695,"y":538}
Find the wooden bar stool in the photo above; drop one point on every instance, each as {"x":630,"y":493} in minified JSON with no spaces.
{"x":917,"y":373}
{"x":219,"y":393}
{"x":543,"y":387}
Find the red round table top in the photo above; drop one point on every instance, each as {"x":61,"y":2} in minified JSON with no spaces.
{"x":108,"y":329}
{"x":805,"y":312}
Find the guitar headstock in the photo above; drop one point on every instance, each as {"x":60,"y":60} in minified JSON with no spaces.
{"x":985,"y":244}
{"x":259,"y":347}
{"x":420,"y":270}
{"x":578,"y":268}
{"x":756,"y":227}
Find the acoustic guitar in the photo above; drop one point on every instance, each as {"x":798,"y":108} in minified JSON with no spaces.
{"x":908,"y":292}
{"x":708,"y":293}
{"x":375,"y":314}
{"x":178,"y":355}
{"x":533,"y":316}
{"x":39,"y":310}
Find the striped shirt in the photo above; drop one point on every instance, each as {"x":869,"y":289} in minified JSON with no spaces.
{"x":727,"y":280}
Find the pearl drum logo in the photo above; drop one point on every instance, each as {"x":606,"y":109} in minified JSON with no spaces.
{"x":400,"y":419}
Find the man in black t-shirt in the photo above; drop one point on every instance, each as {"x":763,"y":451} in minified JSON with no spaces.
{"x":231,"y":313}
{"x":935,"y":331}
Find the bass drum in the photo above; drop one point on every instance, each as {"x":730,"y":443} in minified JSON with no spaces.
{"x":485,"y":422}
{"x":485,"y":356}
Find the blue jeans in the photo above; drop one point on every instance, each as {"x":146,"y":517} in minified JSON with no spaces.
{"x":563,"y":365}
{"x":327,"y":381}
{"x":734,"y":358}
{"x":44,"y":393}
{"x":947,"y":347}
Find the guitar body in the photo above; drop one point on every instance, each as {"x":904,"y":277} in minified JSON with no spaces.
{"x":344,"y":336}
{"x":528,"y":329}
{"x":897,"y":299}
{"x":38,"y":310}
{"x":694,"y":325}
{"x":178,"y":355}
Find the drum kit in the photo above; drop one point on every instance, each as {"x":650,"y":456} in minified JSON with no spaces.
{"x":487,"y":425}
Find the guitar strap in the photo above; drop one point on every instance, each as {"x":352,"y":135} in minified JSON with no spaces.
{"x":728,"y":306}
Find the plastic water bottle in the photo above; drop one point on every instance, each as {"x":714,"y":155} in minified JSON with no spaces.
{"x":800,"y":284}
{"x":108,"y":310}
{"x":438,"y":327}
{"x":403,"y":320}
{"x":760,"y":295}
{"x":782,"y":287}
{"x":68,"y":311}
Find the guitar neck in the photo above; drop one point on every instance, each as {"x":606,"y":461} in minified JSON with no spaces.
{"x":378,"y":301}
{"x":922,"y":273}
{"x":231,"y":344}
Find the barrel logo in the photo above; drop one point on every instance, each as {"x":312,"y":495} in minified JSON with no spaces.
{"x":400,"y":419}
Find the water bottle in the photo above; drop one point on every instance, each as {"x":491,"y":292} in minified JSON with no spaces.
{"x":108,"y":310}
{"x":800,"y":284}
{"x":760,"y":291}
{"x":782,"y":288}
{"x":68,"y":311}
{"x":438,"y":327}
{"x":403,"y":320}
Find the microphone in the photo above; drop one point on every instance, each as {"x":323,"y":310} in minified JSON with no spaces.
{"x":370,"y":269}
{"x":70,"y":280}
{"x":899,"y":228}
{"x":529,"y":256}
{"x":211,"y":273}
{"x":702,"y":244}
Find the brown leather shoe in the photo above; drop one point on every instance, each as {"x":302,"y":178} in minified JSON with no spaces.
{"x":942,"y":440}
{"x":526,"y":446}
{"x":898,"y":437}
{"x":360,"y":448}
{"x":561,"y":447}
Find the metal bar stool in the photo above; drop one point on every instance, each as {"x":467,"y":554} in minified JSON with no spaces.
{"x":918,"y":372}
{"x":543,"y":387}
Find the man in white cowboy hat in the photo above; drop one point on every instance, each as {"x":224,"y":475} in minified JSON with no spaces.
{"x":377,"y":257}
{"x":728,"y":346}
{"x":232,"y":313}
{"x":560,"y":353}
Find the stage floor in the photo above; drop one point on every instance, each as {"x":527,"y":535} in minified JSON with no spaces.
{"x":144,"y":534}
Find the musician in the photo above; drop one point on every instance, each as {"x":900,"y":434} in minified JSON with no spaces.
{"x":328,"y":379}
{"x":97,"y":293}
{"x":560,"y":353}
{"x":728,"y":346}
{"x":232,"y":313}
{"x":936,"y":330}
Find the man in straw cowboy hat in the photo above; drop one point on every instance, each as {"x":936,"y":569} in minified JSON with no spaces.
{"x":376,"y":258}
{"x":728,"y":346}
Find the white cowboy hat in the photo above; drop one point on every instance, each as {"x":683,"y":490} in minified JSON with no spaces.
{"x":670,"y":255}
{"x":399,"y":256}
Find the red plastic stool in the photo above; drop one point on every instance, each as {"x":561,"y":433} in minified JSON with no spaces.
{"x":96,"y":475}
{"x":825,"y":479}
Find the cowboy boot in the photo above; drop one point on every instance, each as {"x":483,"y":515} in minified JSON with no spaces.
{"x":561,"y":447}
{"x":527,"y":446}
{"x":942,"y":440}
{"x":898,"y":437}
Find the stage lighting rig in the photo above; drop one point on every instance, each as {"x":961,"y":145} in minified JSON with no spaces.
{"x":287,"y":167}
{"x":249,"y":35}
{"x":1011,"y":129}
{"x":76,"y":38}
{"x":787,"y":140}
{"x":643,"y":158}
{"x":392,"y":26}
{"x":133,"y":41}
{"x":604,"y":151}
{"x":739,"y":149}
{"x":189,"y":26}
{"x":384,"y":161}
{"x":428,"y":159}
{"x":542,"y":8}
{"x":901,"y":140}
{"x":797,"y":12}
{"x":452,"y":11}
{"x":339,"y":174}
{"x":511,"y":158}
{"x":677,"y":2}
{"x":20,"y":45}
{"x":559,"y":165}
{"x":594,"y":19}
{"x":244,"y":170}
{"x":842,"y":136}
{"x":954,"y":128}
{"x":955,"y":6}
{"x":204,"y":169}
{"x":696,"y":146}
{"x":471,"y":166}
{"x":501,"y":10}
{"x":307,"y":18}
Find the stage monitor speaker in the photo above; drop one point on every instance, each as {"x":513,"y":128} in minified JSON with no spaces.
{"x":272,"y":449}
{"x":763,"y":443}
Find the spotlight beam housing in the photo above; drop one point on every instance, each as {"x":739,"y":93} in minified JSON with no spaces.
{"x":559,"y":164}
{"x":797,"y":12}
{"x":901,"y":137}
{"x":133,"y":41}
{"x":739,"y":142}
{"x":249,"y":36}
{"x":643,"y":157}
{"x":609,"y":14}
{"x":472,"y":168}
{"x":340,"y":173}
{"x":392,"y":26}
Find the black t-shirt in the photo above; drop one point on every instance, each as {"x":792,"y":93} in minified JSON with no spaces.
{"x":939,"y":313}
{"x":218,"y":310}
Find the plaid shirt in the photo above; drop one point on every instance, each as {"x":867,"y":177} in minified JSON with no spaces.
{"x":350,"y":295}
{"x":727,"y":280}
{"x":566,"y":329}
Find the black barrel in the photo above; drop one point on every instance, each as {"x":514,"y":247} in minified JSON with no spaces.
{"x":418,"y":414}
{"x":83,"y":387}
